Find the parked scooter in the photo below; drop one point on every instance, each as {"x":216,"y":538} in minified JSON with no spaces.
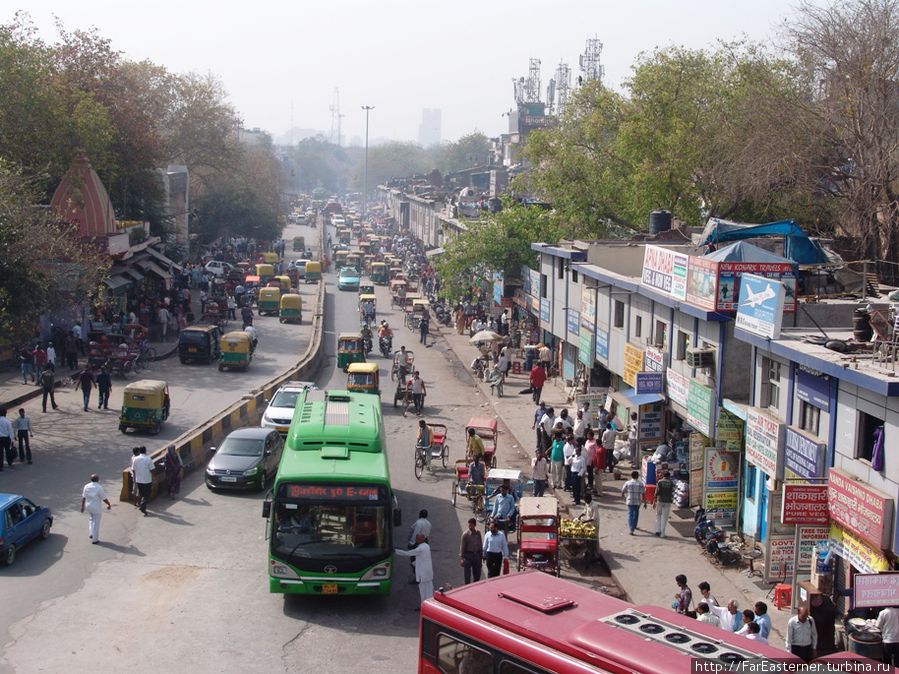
{"x":705,"y":529}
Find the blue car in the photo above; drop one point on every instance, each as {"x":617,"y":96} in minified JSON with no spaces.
{"x":21,"y":521}
{"x":348,"y":279}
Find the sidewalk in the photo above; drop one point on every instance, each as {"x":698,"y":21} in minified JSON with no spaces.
{"x":643,"y":565}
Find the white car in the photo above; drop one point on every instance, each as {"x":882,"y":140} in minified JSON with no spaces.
{"x":279,"y":412}
{"x":218,"y":268}
{"x":338,"y":220}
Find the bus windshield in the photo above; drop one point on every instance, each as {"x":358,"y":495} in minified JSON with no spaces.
{"x":304,"y":531}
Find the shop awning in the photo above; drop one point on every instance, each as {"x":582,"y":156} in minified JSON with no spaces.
{"x":630,"y":398}
{"x":162,"y":258}
{"x":116,"y":281}
{"x":134,"y":273}
{"x":434,"y":252}
{"x":150,"y":266}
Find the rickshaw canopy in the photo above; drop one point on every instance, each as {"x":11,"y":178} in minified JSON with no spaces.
{"x":269,"y":295}
{"x":291,"y":301}
{"x":237,"y":341}
{"x":145,"y":393}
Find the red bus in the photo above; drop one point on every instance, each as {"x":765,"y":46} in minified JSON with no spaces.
{"x":534,"y":623}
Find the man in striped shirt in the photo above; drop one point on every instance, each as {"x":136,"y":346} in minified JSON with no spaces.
{"x":633,"y":497}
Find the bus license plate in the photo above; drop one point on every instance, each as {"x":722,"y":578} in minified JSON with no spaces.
{"x":329,"y":589}
{"x":228,"y":479}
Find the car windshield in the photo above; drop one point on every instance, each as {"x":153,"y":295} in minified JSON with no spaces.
{"x":241,"y":447}
{"x":328,"y":529}
{"x":285,"y":399}
{"x":348,"y":272}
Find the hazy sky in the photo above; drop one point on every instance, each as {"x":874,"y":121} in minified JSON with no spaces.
{"x":397,"y":55}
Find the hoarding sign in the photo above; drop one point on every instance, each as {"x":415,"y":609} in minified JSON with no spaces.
{"x":764,"y":442}
{"x":544,"y":309}
{"x":650,"y":422}
{"x":856,"y":551}
{"x":813,"y":390}
{"x":602,"y":344}
{"x":677,"y":387}
{"x":650,"y":382}
{"x":721,"y":468}
{"x":721,"y":505}
{"x":779,"y":558}
{"x":872,"y":590}
{"x":803,"y":457}
{"x":585,"y":348}
{"x":633,"y":363}
{"x":761,"y":306}
{"x":574,"y":321}
{"x":699,"y":407}
{"x":588,"y":308}
{"x":534,"y":277}
{"x":805,"y":504}
{"x":654,"y":360}
{"x":702,"y":283}
{"x":730,"y":432}
{"x":859,"y":509}
{"x":731,"y":275}
{"x":666,"y":271}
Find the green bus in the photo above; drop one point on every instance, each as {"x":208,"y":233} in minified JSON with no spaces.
{"x":331,"y":511}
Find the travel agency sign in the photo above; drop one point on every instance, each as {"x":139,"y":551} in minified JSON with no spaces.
{"x":761,"y":306}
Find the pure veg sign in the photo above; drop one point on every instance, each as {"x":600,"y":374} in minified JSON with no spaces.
{"x":805,"y":504}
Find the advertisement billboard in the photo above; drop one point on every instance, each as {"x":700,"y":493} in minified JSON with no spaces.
{"x":588,"y":308}
{"x":666,"y":271}
{"x":764,"y":442}
{"x":859,"y":509}
{"x":702,"y":283}
{"x":761,"y":306}
{"x":805,"y":504}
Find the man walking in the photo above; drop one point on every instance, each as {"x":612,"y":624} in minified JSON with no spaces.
{"x":164,"y":317}
{"x":48,"y":384}
{"x":423,"y":326}
{"x":544,"y":354}
{"x":71,"y":349}
{"x":496,"y":549}
{"x":661,"y":502}
{"x":104,"y":388}
{"x":92,"y":499}
{"x":578,"y":469}
{"x":540,"y":474}
{"x":536,"y":379}
{"x":6,"y":440}
{"x":418,"y":392}
{"x":633,"y":496}
{"x":24,"y":435}
{"x":471,"y":552}
{"x":802,"y":635}
{"x":424,"y":568}
{"x":608,"y":445}
{"x":538,"y":415}
{"x":142,"y":469}
{"x":87,"y":382}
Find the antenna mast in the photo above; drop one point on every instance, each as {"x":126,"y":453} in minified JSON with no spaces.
{"x":335,"y":117}
{"x":589,"y":61}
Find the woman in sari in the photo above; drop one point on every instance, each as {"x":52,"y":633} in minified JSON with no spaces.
{"x":174,"y":469}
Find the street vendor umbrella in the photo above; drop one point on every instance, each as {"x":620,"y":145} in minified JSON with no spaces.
{"x":485,"y":336}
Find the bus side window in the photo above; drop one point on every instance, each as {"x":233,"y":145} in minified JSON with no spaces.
{"x":509,"y":667}
{"x":458,"y":657}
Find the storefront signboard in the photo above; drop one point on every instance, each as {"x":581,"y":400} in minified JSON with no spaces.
{"x":534,"y":277}
{"x":731,"y":275}
{"x":764,"y":442}
{"x":602,"y":344}
{"x":780,"y":547}
{"x":666,"y":271}
{"x":654,"y":360}
{"x":859,"y":509}
{"x":856,"y":551}
{"x":588,"y":308}
{"x":813,"y":389}
{"x":702,"y":283}
{"x":544,"y":309}
{"x":650,"y":382}
{"x":721,"y":468}
{"x":721,"y":506}
{"x":585,"y":348}
{"x":730,"y":431}
{"x":761,"y":306}
{"x":677,"y":386}
{"x":872,"y":590}
{"x":699,"y":407}
{"x":651,"y":418}
{"x":805,"y":504}
{"x":633,"y":363}
{"x":803,"y":457}
{"x":574,"y":321}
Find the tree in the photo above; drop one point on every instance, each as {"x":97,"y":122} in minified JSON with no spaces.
{"x":501,"y":242}
{"x":470,"y":150}
{"x":388,"y":160}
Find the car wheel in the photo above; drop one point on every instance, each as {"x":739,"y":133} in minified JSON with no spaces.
{"x":45,"y":530}
{"x":263,"y":481}
{"x":10,"y":555}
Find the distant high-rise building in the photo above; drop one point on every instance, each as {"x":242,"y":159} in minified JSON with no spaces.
{"x":429,"y":129}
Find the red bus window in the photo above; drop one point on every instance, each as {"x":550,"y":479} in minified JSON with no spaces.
{"x":458,"y":657}
{"x":507,"y":667}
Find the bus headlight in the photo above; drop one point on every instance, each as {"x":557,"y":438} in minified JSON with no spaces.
{"x":280,"y":570}
{"x":379,"y":572}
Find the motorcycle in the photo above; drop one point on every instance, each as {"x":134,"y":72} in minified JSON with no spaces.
{"x":386,"y":346}
{"x":366,"y":345}
{"x":705,"y":530}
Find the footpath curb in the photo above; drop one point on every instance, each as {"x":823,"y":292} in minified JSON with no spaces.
{"x":191,"y":446}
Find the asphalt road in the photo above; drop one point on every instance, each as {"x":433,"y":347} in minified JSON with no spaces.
{"x":186,"y":588}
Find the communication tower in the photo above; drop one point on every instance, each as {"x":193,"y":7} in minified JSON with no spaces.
{"x":562,"y":88}
{"x":591,"y":68}
{"x":336,"y":118}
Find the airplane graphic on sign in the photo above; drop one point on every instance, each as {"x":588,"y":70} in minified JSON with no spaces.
{"x":756,"y":299}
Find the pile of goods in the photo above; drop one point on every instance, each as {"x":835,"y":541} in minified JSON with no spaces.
{"x":576,"y":529}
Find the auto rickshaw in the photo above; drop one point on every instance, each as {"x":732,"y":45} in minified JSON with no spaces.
{"x":378,"y":273}
{"x":237,"y":351}
{"x":264,"y":272}
{"x":395,"y":273}
{"x":414,"y":313}
{"x":145,"y":405}
{"x":291,"y":310}
{"x":354,"y":260}
{"x":344,"y":235}
{"x":313,"y":271}
{"x":268,"y":301}
{"x":366,"y":289}
{"x":350,"y":349}
{"x":270,"y":257}
{"x":363,"y":299}
{"x":299,"y":244}
{"x":365,"y":247}
{"x":340,"y":259}
{"x":364,"y":378}
{"x":285,"y":283}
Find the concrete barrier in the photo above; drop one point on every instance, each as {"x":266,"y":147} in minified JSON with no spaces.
{"x":191,"y":446}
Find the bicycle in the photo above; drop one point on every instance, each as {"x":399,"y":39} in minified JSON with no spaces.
{"x":421,"y":460}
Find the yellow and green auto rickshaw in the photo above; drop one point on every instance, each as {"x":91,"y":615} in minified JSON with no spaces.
{"x":354,"y":260}
{"x":285,"y":283}
{"x":364,"y":378}
{"x":344,"y":235}
{"x":378,"y":273}
{"x":237,"y":351}
{"x":340,"y":259}
{"x":270,"y":257}
{"x":264,"y":272}
{"x":313,"y":271}
{"x":145,"y":405}
{"x":350,"y":349}
{"x":291,"y":309}
{"x":368,"y":306}
{"x":268,"y":301}
{"x":299,"y":244}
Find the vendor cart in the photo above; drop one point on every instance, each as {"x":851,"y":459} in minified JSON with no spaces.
{"x":576,"y":543}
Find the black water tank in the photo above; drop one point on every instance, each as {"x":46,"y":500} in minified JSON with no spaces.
{"x":861,"y":325}
{"x":659,"y":221}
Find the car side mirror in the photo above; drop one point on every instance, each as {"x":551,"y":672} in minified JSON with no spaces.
{"x":266,"y":509}
{"x":212,"y":449}
{"x":397,"y":517}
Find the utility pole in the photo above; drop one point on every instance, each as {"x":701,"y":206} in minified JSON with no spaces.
{"x":367,"y":108}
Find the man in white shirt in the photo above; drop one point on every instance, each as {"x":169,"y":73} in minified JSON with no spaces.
{"x":496,"y":549}
{"x":580,"y":427}
{"x":578,"y":468}
{"x":6,"y":439}
{"x":546,"y":423}
{"x":888,"y":622}
{"x":753,"y":632}
{"x":92,"y":499}
{"x":608,"y":444}
{"x":802,"y":635}
{"x":424,"y":568}
{"x":729,"y":616}
{"x":706,"y":591}
{"x":420,"y":527}
{"x":704,"y":615}
{"x":142,"y":469}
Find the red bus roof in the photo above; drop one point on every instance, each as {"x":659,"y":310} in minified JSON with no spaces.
{"x":604,"y":632}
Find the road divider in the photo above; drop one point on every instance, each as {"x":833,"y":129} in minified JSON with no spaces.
{"x":191,"y":446}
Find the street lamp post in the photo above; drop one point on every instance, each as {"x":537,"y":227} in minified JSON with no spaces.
{"x":367,"y":109}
